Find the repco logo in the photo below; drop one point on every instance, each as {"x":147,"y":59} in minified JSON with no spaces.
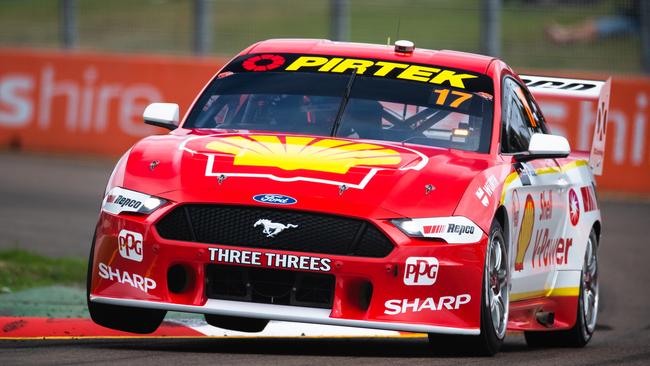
{"x":128,"y":202}
{"x":460,"y":229}
{"x":129,"y":244}
{"x":420,"y":271}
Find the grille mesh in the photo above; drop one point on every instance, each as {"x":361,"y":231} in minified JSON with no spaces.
{"x":234,"y":225}
{"x":269,"y":286}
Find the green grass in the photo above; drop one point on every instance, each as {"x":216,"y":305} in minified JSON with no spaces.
{"x":20,"y":269}
{"x":165,"y":26}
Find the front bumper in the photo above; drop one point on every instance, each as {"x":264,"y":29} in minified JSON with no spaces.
{"x":451,"y":304}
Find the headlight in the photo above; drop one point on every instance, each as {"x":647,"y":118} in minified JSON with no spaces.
{"x":453,"y":229}
{"x":120,"y":200}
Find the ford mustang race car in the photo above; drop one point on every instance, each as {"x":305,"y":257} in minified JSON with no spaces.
{"x":358,"y":185}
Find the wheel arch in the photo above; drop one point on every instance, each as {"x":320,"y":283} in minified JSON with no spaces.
{"x":597,"y":228}
{"x":501,"y":215}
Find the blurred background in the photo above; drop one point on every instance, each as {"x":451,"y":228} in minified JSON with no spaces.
{"x":525,"y":33}
{"x":76,"y":75}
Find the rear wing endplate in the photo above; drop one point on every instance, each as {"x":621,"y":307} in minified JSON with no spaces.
{"x":581,"y":89}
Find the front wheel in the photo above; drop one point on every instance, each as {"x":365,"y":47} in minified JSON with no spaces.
{"x":494,"y":304}
{"x":587,"y":312}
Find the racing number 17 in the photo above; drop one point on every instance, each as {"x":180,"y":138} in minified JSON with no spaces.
{"x":444,"y":93}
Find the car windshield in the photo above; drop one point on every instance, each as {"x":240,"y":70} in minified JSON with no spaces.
{"x":379,"y":108}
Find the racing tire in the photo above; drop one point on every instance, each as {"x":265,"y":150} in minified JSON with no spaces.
{"x":124,"y":318}
{"x":249,"y":325}
{"x":587,"y":313}
{"x":494,"y":305}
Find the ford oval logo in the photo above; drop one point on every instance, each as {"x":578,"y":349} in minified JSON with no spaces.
{"x":275,"y":199}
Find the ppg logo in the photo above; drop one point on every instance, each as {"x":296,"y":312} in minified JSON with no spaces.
{"x":421,"y":271}
{"x":130,"y":245}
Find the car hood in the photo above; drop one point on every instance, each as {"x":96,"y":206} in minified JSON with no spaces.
{"x":349,"y":177}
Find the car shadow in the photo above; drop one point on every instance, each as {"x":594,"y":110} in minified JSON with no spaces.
{"x":331,"y":347}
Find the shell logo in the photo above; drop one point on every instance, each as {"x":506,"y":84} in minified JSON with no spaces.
{"x":309,"y":153}
{"x":574,"y":207}
{"x":525,"y":232}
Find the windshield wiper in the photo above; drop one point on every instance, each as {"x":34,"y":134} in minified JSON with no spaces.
{"x":344,"y":103}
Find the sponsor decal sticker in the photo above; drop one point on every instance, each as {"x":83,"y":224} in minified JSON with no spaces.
{"x":558,"y":83}
{"x":574,"y":207}
{"x":129,"y":244}
{"x":271,"y":228}
{"x":275,"y":199}
{"x":425,"y":74}
{"x":134,"y":280}
{"x":308,"y":153}
{"x":273,"y":260}
{"x":401,"y":306}
{"x":119,"y":200}
{"x":550,"y":251}
{"x":453,"y":230}
{"x":317,"y":160}
{"x":263,"y":62}
{"x":421,"y":271}
{"x":485,"y":192}
{"x":430,"y":74}
{"x":460,"y":229}
{"x":125,"y":202}
{"x":339,"y":65}
{"x":525,"y":232}
{"x":588,"y":198}
{"x":546,"y":251}
{"x":434,"y":229}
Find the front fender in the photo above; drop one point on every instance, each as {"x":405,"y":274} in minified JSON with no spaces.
{"x":482,"y":197}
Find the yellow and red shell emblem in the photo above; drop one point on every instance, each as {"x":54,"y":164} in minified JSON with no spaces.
{"x":525,"y":232}
{"x":309,"y":153}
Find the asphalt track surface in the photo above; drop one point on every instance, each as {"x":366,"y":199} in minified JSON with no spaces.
{"x":50,"y":205}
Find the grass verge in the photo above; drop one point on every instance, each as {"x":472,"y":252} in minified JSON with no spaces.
{"x":166,"y":26}
{"x":21,"y":269}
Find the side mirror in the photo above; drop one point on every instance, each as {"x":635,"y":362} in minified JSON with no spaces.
{"x":544,"y":146}
{"x":163,"y":115}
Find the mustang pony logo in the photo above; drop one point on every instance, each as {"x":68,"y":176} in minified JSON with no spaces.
{"x":271,"y":228}
{"x":309,"y":153}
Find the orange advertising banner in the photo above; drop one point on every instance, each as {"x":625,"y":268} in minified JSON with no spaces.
{"x":90,"y":103}
{"x":55,"y":101}
{"x":627,"y":151}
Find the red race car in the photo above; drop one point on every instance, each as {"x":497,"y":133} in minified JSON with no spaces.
{"x":358,"y":185}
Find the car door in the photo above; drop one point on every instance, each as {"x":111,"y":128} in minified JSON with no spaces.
{"x":532,"y":195}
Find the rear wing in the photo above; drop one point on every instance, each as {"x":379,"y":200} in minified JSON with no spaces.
{"x":582,"y":89}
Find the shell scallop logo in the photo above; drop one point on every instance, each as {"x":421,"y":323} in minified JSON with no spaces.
{"x":525,"y":232}
{"x":309,"y":153}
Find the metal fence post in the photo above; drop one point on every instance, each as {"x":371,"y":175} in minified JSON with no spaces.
{"x":339,"y":20}
{"x":645,"y":36}
{"x":490,"y":29}
{"x":202,"y":26}
{"x":68,"y":21}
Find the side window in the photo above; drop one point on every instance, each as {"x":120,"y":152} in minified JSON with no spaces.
{"x":538,"y":117}
{"x":519,"y":120}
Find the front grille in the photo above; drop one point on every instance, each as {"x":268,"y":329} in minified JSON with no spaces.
{"x":269,"y":286}
{"x":234,"y":225}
